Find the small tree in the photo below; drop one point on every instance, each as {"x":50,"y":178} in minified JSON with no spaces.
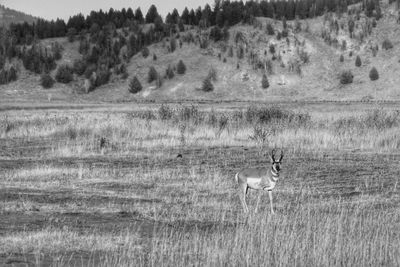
{"x":152,"y":75}
{"x":341,"y":59}
{"x":373,"y":74}
{"x":207,"y":85}
{"x":135,"y":86}
{"x":181,"y":68}
{"x":264,"y":81}
{"x":46,"y":81}
{"x":358,"y":61}
{"x":346,"y":77}
{"x":154,"y":57}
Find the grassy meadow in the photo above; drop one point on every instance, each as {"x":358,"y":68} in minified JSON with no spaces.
{"x":105,"y":187}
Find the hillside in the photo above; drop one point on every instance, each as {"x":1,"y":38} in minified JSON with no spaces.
{"x":8,"y":16}
{"x":291,"y":77}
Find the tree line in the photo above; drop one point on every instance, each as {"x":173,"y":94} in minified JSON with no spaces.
{"x":223,"y":13}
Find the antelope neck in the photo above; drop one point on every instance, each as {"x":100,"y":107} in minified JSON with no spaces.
{"x":275,"y":174}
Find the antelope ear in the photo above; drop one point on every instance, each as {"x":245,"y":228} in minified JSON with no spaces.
{"x":280,"y":159}
{"x":271,"y":158}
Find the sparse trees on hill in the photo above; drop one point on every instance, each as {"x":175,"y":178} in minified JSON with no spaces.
{"x":373,"y":74}
{"x":135,"y":86}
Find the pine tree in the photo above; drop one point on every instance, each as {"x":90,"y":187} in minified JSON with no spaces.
{"x":264,"y":82}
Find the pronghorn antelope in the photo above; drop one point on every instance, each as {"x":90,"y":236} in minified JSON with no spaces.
{"x":259,"y":179}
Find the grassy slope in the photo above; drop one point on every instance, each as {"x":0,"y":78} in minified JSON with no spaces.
{"x":319,"y":81}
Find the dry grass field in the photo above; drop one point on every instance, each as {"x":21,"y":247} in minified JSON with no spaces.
{"x":104,"y":186}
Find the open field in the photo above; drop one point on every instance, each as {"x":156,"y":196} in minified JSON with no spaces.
{"x":102,"y":185}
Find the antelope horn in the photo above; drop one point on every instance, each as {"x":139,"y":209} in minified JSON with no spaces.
{"x":281,"y":155}
{"x":273,"y":154}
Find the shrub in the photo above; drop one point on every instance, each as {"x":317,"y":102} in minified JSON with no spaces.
{"x":224,"y":60}
{"x":230,"y":51}
{"x":387,"y":44}
{"x":79,"y":67}
{"x":346,"y":77}
{"x":350,"y":53}
{"x":46,"y":81}
{"x":264,"y":82}
{"x":64,"y":74}
{"x":145,"y":52}
{"x":358,"y":61}
{"x":169,"y":72}
{"x":272,"y":49}
{"x":152,"y":75}
{"x":135,"y":86}
{"x":304,"y":56}
{"x":9,"y":75}
{"x":341,"y":59}
{"x":373,"y":74}
{"x":181,"y":68}
{"x":154,"y":57}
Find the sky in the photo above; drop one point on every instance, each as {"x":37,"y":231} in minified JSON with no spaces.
{"x":53,"y":9}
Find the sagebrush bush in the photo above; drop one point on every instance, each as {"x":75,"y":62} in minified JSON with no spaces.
{"x":373,"y":74}
{"x":46,"y":81}
{"x":152,"y":75}
{"x":387,"y":44}
{"x":135,"y":86}
{"x":181,"y":68}
{"x":346,"y":77}
{"x":64,"y":74}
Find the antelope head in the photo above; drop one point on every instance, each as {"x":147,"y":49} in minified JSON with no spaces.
{"x":276,"y":164}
